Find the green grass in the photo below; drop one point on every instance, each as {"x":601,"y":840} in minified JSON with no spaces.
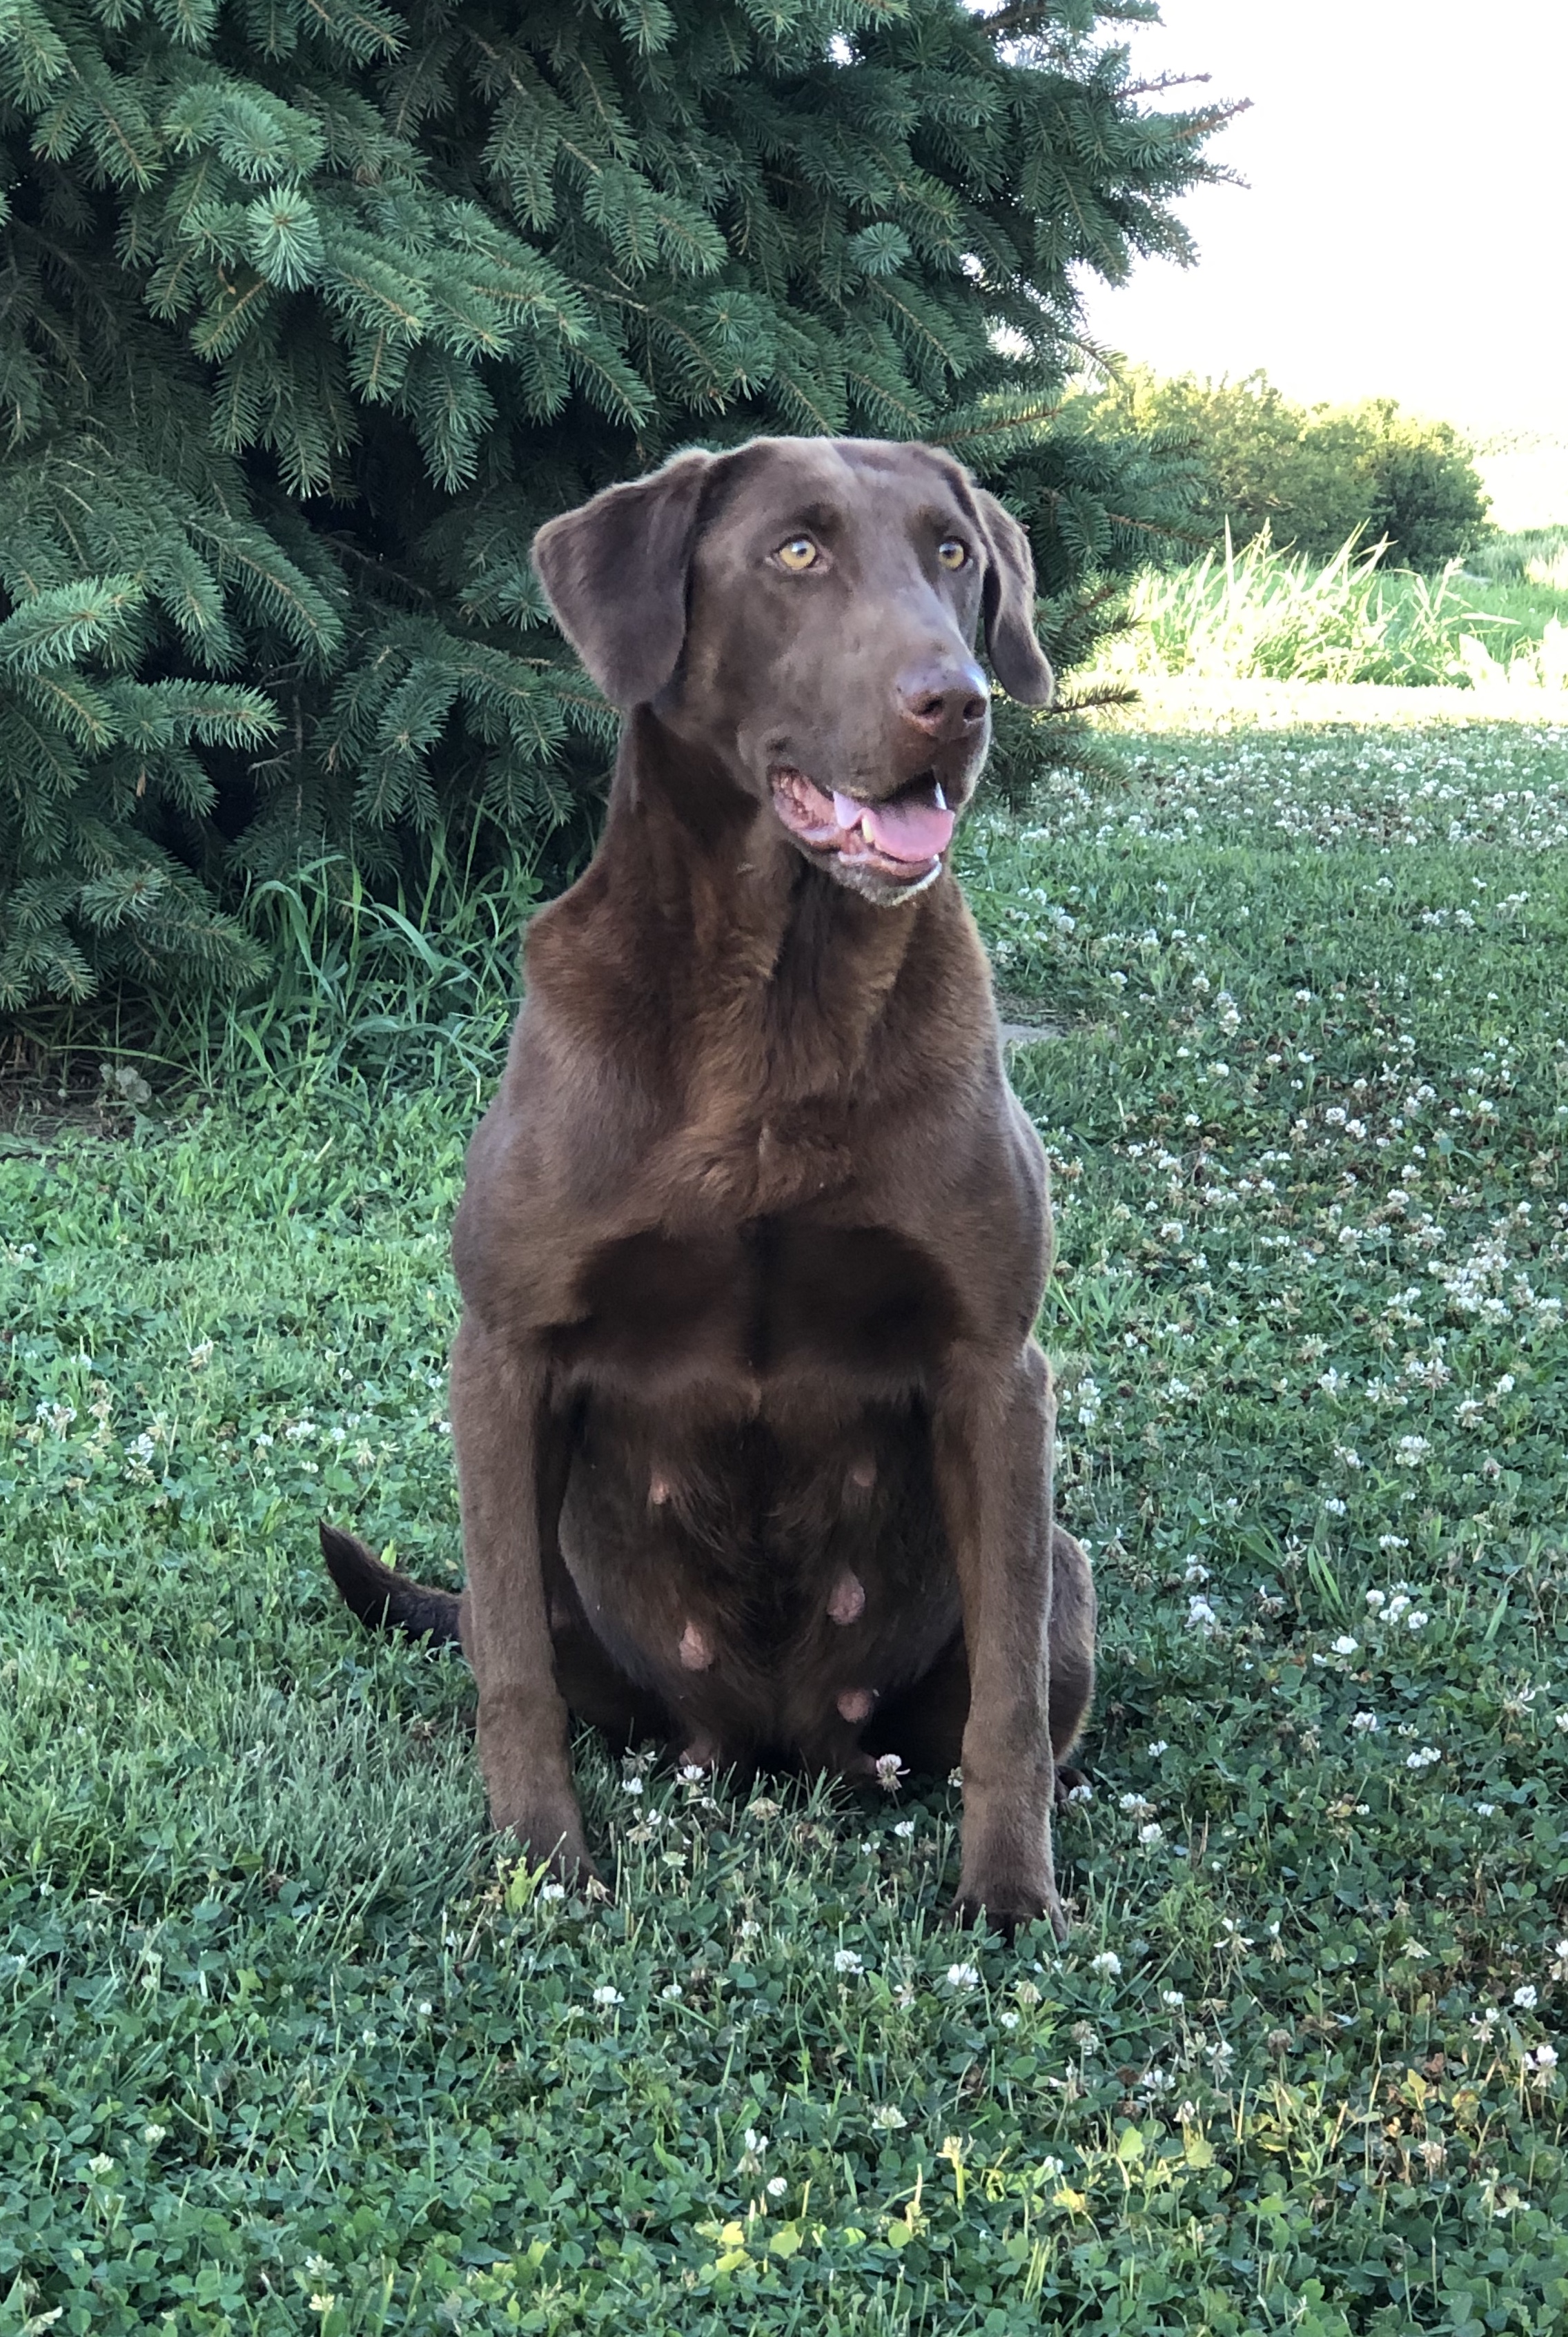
{"x":1260,"y":613}
{"x":285,"y":2047}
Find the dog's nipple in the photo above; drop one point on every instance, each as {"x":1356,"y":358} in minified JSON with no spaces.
{"x":863,"y":1474}
{"x":658,"y":1491}
{"x":857,"y":1704}
{"x":696,"y":1650}
{"x":848,"y":1602}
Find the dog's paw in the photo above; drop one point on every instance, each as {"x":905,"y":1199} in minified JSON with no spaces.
{"x":1068,"y":1782}
{"x":553,"y":1840}
{"x":1006,"y":1902}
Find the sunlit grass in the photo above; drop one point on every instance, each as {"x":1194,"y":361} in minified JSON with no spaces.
{"x":1262,"y":614}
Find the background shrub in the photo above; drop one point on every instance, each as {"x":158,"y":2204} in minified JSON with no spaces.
{"x":1313,"y":476}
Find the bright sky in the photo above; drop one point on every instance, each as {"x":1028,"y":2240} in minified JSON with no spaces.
{"x":1404,"y":229}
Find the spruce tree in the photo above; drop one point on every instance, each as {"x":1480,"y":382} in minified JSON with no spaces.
{"x":314,"y":309}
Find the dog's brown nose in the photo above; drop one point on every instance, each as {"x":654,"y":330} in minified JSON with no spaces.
{"x":946,"y":700}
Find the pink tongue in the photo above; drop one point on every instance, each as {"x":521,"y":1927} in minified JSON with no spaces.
{"x":905,"y":830}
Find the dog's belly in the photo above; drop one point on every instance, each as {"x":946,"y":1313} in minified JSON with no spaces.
{"x":751,"y":1517}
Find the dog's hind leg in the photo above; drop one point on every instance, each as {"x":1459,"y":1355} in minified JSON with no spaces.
{"x":1074,"y":1609}
{"x":924,"y":1724}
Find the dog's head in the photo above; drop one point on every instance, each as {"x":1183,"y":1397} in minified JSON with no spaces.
{"x":806,"y":609}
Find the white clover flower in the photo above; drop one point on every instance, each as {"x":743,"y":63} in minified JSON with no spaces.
{"x":755,"y":2143}
{"x":776,"y":2187}
{"x":692,"y":1773}
{"x":552,"y":1891}
{"x":1527,"y":1997}
{"x":1485,"y":1809}
{"x":1194,"y":1570}
{"x":1365,"y":1723}
{"x":673,"y":1992}
{"x":1173,"y":1997}
{"x":608,"y":1996}
{"x":1008,"y":2020}
{"x":845,"y":1960}
{"x":1079,"y":1794}
{"x":101,"y":2163}
{"x":963,"y":1976}
{"x":1411,"y":1451}
{"x":633,"y":1785}
{"x":1158,"y":1747}
{"x":153,"y":2135}
{"x":889,"y":1769}
{"x":1107,"y":1962}
{"x":1336,"y":1507}
{"x":1417,"y":1620}
{"x":1150,"y":1833}
{"x":1390,"y":1541}
{"x":1345,"y":1645}
{"x":1424,"y":1758}
{"x":889,"y":2117}
{"x":904,"y":1829}
{"x":1201,"y":1617}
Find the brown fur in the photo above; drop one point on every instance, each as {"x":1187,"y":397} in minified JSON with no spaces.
{"x":754,"y":1443}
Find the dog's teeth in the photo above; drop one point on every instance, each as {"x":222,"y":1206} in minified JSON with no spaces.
{"x":866,"y":829}
{"x":940,"y":798}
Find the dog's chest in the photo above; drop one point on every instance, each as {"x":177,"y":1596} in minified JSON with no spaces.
{"x":760,"y":1302}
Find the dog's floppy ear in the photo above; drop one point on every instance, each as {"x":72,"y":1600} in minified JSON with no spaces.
{"x":616,"y":572}
{"x":1017,"y":660}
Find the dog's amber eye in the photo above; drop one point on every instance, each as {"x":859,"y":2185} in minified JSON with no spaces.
{"x":798,"y":554}
{"x":952,"y":554}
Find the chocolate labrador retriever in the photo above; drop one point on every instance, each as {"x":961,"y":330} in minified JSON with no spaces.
{"x":754,"y":1443}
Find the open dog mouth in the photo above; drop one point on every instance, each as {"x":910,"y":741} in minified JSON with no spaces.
{"x":903,"y":838}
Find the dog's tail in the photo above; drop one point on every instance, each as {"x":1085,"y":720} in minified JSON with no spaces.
{"x":384,"y":1600}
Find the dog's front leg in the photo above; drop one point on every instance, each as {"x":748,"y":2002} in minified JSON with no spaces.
{"x":994,"y":1435}
{"x":512,"y":1460}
